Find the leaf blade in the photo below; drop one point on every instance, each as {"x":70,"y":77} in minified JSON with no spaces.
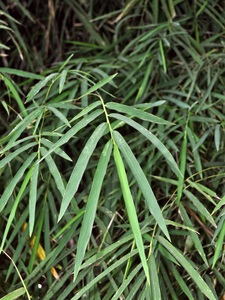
{"x":188,"y":267}
{"x":80,"y":167}
{"x":132,"y":215}
{"x":91,"y":206}
{"x":142,"y":182}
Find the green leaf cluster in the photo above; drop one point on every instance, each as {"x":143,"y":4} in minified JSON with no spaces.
{"x":112,"y":150}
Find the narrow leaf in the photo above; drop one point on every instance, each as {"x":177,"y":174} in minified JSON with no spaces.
{"x":132,"y":215}
{"x":11,"y":186}
{"x":153,"y":139}
{"x":14,"y":207}
{"x":200,"y":207}
{"x":80,"y":167}
{"x":62,"y":80}
{"x":98,"y":85}
{"x":145,"y":81}
{"x":37,"y":87}
{"x":183,"y":159}
{"x":155,"y":286}
{"x":54,"y":171}
{"x":15,"y":94}
{"x":19,"y":129}
{"x":57,"y":151}
{"x":91,"y":206}
{"x":188,"y":267}
{"x":219,"y":243}
{"x":193,"y":235}
{"x":59,"y":115}
{"x":9,"y":157}
{"x":132,"y":111}
{"x":21,"y":73}
{"x":33,"y":197}
{"x":162,"y":55}
{"x":73,"y":131}
{"x":142,"y":182}
{"x":217,"y":137}
{"x":14,"y":295}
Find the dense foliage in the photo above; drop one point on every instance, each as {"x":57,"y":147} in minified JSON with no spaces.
{"x":112,"y":149}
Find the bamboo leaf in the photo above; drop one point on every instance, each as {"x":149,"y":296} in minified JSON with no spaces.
{"x":19,"y":129}
{"x":155,"y":286}
{"x":21,"y":73}
{"x":11,"y":156}
{"x":91,"y":206}
{"x":73,"y":131}
{"x":134,"y":112}
{"x":200,"y":207}
{"x":193,"y":235}
{"x":14,"y":295}
{"x":57,"y":151}
{"x":142,"y":182}
{"x":15,"y":205}
{"x":15,"y":94}
{"x":153,"y":139}
{"x":80,"y":167}
{"x":33,"y":197}
{"x":38,"y":86}
{"x":201,"y":284}
{"x":59,"y":115}
{"x":98,"y":85}
{"x":132,"y":215}
{"x":11,"y":186}
{"x":217,"y":137}
{"x":62,"y":80}
{"x":219,"y":242}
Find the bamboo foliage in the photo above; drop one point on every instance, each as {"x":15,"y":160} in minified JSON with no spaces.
{"x":112,"y":150}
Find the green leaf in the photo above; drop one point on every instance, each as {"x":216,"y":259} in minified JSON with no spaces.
{"x":134,"y":112}
{"x":132,"y":215}
{"x":62,"y":80}
{"x":155,"y":286}
{"x":162,"y":55}
{"x":33,"y":197}
{"x":73,"y":131}
{"x":188,"y":267}
{"x":21,"y":73}
{"x":59,"y":115}
{"x":219,"y":242}
{"x":153,"y":139}
{"x":98,"y":85}
{"x":15,"y":94}
{"x":54,"y":171}
{"x":13,"y":183}
{"x":126,"y":283}
{"x":185,"y":289}
{"x":57,"y":151}
{"x":19,"y":129}
{"x":37,"y":87}
{"x":193,"y":235}
{"x":11,"y":156}
{"x":142,"y":182}
{"x":183,"y":161}
{"x":91,"y":206}
{"x":142,"y":88}
{"x":65,"y":63}
{"x":219,"y":204}
{"x":80,"y":168}
{"x":217,"y":137}
{"x":15,"y":204}
{"x":200,"y":207}
{"x":14,"y":295}
{"x":86,"y":110}
{"x":109,"y":269}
